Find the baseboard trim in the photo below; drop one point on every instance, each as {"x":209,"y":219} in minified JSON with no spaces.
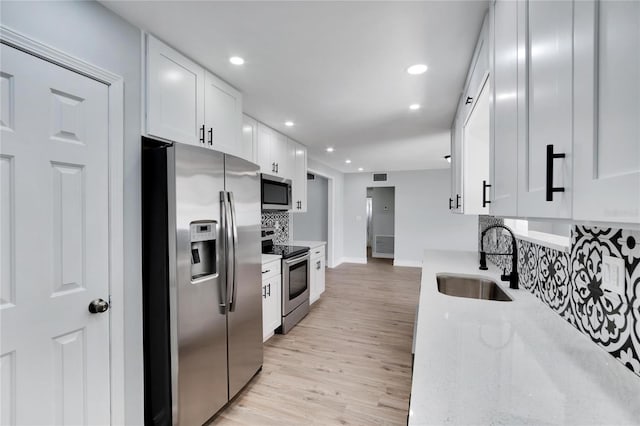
{"x":362,"y":260}
{"x":409,"y":263}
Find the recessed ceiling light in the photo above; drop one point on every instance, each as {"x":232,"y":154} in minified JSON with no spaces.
{"x":246,"y":128}
{"x":360,"y":169}
{"x":288,"y":123}
{"x":330,"y":149}
{"x":414,"y":107}
{"x":347,"y":161}
{"x":236,"y":60}
{"x":417,"y":69}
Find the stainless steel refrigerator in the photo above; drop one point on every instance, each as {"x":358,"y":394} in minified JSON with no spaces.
{"x":202,"y":305}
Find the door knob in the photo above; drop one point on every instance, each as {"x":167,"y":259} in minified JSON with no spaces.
{"x":98,"y":306}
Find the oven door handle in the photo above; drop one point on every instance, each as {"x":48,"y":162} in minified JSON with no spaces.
{"x":296,"y":259}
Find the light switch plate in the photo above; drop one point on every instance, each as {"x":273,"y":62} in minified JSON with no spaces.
{"x":613,"y":274}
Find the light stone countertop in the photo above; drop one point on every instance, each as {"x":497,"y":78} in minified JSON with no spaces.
{"x":266,"y":258}
{"x":310,"y":244}
{"x":480,"y":362}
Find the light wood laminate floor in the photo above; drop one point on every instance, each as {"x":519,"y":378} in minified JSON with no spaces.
{"x":347,"y":362}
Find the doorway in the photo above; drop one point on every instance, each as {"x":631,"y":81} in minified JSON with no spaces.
{"x":313,"y":225}
{"x":380,"y":224}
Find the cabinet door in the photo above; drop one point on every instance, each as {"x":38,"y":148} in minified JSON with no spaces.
{"x":299,"y":189}
{"x":314,"y":285}
{"x":223,"y":116}
{"x":283,"y":155}
{"x":265,"y":148}
{"x":249,"y":139}
{"x":476,"y":136}
{"x":607,"y":111}
{"x":266,"y":317}
{"x":320,"y":271}
{"x":274,"y":292}
{"x":504,"y":108}
{"x":548,"y":43}
{"x":174,"y":95}
{"x":457,"y":165}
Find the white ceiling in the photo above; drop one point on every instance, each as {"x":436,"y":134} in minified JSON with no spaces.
{"x":337,"y":69}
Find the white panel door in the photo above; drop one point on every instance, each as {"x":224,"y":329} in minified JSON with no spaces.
{"x":222,"y":116}
{"x":607,"y":111}
{"x":54,"y":354}
{"x":283,"y":155}
{"x":175,"y":95}
{"x":299,"y":189}
{"x":504,"y":109}
{"x":549,"y":71}
{"x":476,"y":135}
{"x":249,"y":139}
{"x":265,"y":149}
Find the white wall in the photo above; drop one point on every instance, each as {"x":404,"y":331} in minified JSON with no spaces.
{"x":336,"y":207}
{"x":313,"y":225}
{"x":90,"y":32}
{"x":422,"y":217}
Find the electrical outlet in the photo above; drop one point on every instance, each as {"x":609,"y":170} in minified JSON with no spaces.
{"x":613,"y":274}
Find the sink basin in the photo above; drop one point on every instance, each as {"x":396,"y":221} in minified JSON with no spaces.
{"x":470,"y":287}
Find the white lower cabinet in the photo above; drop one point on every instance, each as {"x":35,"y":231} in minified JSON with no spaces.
{"x":318,"y":264}
{"x":271,"y":298}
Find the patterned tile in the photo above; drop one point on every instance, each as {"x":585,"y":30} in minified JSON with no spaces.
{"x":279,"y":221}
{"x":571,"y":284}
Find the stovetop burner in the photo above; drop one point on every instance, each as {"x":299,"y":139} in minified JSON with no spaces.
{"x":285,"y":251}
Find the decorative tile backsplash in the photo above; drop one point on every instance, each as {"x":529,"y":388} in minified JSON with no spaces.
{"x":570,"y":283}
{"x":280,"y":222}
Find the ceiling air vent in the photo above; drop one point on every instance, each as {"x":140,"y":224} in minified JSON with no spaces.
{"x":379,"y":177}
{"x":311,"y":176}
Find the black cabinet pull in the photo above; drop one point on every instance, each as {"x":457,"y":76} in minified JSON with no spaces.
{"x":264,"y":291}
{"x":458,"y":201}
{"x":484,"y":193}
{"x":202,"y":134}
{"x":273,"y":167}
{"x":277,"y":168}
{"x":269,"y":289}
{"x":210,"y":136}
{"x":550,"y":189}
{"x":468,"y":101}
{"x":267,"y":271}
{"x":450,"y":203}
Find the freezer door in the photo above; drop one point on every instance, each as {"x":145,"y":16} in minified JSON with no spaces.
{"x":242,"y":182}
{"x":199,"y":322}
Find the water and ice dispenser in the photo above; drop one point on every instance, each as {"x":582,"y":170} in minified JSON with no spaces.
{"x":203,"y":249}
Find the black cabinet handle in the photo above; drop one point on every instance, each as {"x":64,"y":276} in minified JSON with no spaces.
{"x":267,"y":271}
{"x":484,"y":193}
{"x":550,"y":189}
{"x":210,"y":136}
{"x":264,"y":291}
{"x":202,"y":134}
{"x":468,"y":100}
{"x":269,"y":289}
{"x":273,"y":167}
{"x":458,"y":201}
{"x":277,"y":168}
{"x":450,"y":203}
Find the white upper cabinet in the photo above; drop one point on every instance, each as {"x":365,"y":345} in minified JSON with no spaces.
{"x":186,"y":103}
{"x":275,"y":155}
{"x":299,"y":184}
{"x":222,"y":116}
{"x":457,"y":163}
{"x":174,"y":95}
{"x":607,"y":111}
{"x":544,"y":151}
{"x":249,"y":139}
{"x":503,"y":193}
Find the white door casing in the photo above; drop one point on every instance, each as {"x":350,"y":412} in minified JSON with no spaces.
{"x":56,"y":253}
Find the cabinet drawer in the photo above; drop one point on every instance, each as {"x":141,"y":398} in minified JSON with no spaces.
{"x":270,"y":269}
{"x":318,"y":252}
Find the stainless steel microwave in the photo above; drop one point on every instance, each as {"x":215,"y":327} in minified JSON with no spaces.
{"x":275,"y":193}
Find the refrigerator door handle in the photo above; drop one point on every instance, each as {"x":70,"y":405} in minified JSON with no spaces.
{"x":234,"y":239}
{"x":226,"y":230}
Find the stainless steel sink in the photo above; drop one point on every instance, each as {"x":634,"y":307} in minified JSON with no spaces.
{"x":470,"y":287}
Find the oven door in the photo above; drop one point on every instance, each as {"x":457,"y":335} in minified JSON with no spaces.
{"x":296,"y":274}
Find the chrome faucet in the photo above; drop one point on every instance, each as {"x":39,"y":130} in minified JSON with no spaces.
{"x":513,"y":276}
